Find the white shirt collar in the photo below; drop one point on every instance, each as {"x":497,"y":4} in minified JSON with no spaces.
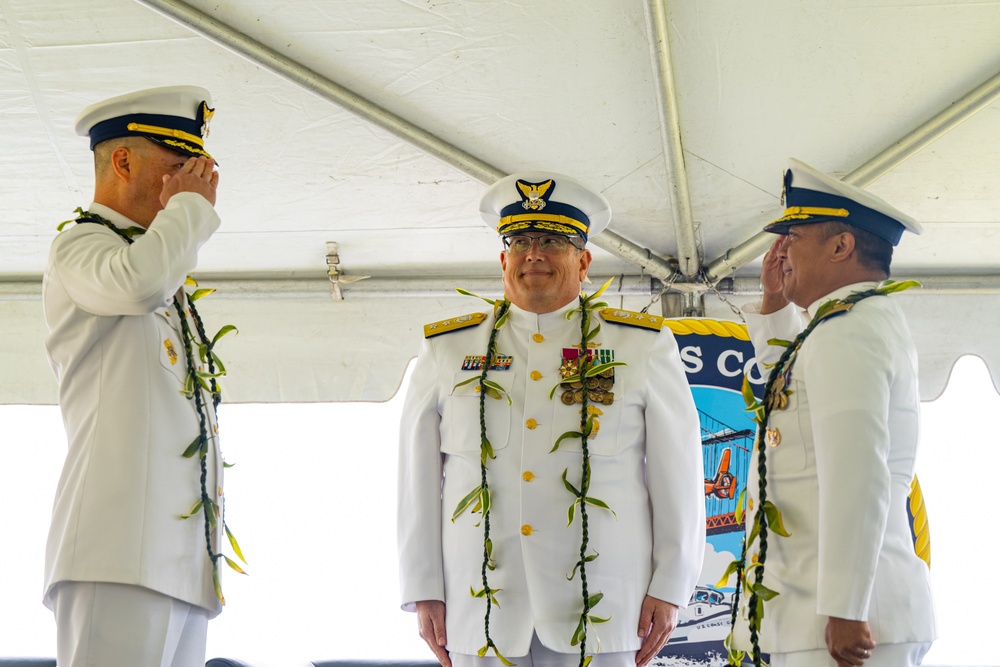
{"x":541,"y":322}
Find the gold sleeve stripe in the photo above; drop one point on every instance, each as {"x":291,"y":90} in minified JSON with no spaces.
{"x":921,"y":529}
{"x":453,"y":324}
{"x":722,"y":328}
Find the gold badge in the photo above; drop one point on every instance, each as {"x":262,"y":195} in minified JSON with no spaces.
{"x":206,"y":117}
{"x":777,"y":398}
{"x":772,"y":437}
{"x":534,"y":196}
{"x":171,"y":351}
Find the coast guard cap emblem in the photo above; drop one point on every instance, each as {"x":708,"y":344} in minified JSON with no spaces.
{"x":535,"y":195}
{"x":206,"y":117}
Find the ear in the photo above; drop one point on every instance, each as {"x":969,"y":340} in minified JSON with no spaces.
{"x":585,"y":258}
{"x":123,"y":161}
{"x":843,"y":248}
{"x":503,"y":260}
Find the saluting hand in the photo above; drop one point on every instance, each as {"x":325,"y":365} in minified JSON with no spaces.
{"x":772,"y":278}
{"x":198,"y":174}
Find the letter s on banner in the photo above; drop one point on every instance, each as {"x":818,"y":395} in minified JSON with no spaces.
{"x":691,"y":357}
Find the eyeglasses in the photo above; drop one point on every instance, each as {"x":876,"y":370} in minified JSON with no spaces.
{"x":550,"y":243}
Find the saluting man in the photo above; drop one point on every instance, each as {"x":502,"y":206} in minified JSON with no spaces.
{"x":575,"y":528}
{"x":841,"y":439}
{"x":129,"y":581}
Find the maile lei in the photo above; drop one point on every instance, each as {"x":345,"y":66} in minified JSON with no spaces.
{"x":767,"y":516}
{"x":197,"y":380}
{"x":479,"y":499}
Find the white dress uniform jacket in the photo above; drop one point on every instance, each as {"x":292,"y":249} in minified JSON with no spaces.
{"x":840,"y":476}
{"x":116,"y":348}
{"x":646,"y":464}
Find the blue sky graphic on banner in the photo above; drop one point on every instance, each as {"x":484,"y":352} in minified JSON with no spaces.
{"x":716,"y":354}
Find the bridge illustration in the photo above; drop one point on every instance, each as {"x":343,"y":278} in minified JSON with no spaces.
{"x":726,"y":456}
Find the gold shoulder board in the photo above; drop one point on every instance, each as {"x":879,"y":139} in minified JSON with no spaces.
{"x":632,"y":319}
{"x":453,"y":324}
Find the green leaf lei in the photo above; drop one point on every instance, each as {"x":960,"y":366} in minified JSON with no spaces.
{"x":479,"y":498}
{"x":767,"y":515}
{"x":196,"y":378}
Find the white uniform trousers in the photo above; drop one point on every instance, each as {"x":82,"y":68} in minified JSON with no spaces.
{"x":102,"y":624}
{"x":540,"y":656}
{"x":883,"y":655}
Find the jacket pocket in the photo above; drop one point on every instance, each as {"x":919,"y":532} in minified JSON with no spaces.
{"x":788,"y":455}
{"x":606,"y":407}
{"x":171,"y":344}
{"x":461,"y":416}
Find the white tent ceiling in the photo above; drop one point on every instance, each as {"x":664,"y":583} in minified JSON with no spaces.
{"x":682,"y":113}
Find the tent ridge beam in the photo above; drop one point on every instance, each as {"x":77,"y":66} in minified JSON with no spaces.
{"x":946,"y":120}
{"x":688,"y":257}
{"x":444,"y":286}
{"x":300,"y":75}
{"x":307,"y":79}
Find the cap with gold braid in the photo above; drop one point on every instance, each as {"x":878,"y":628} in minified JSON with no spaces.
{"x":176,"y":117}
{"x":546,"y":202}
{"x":812,"y":196}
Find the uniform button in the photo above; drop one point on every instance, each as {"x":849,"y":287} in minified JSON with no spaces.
{"x":531,"y":423}
{"x":538,"y":338}
{"x":528,"y":476}
{"x":535,"y":375}
{"x":478,"y":388}
{"x":526,"y":529}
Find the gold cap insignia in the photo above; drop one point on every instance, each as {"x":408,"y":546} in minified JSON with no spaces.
{"x":534,"y":194}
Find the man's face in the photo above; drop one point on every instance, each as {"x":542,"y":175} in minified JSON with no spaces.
{"x":805,"y":254}
{"x":543,"y":281}
{"x":150,"y":162}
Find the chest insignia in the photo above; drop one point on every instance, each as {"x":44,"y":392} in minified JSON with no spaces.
{"x":474,"y":362}
{"x":598,"y":387}
{"x":171,"y":351}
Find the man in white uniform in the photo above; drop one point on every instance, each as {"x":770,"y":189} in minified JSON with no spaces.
{"x":130,"y":581}
{"x":644,"y":506}
{"x":842,"y":440}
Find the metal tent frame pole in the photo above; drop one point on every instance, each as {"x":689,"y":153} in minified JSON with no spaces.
{"x":932,"y":130}
{"x":300,"y":75}
{"x":685,"y":233}
{"x":439,"y":287}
